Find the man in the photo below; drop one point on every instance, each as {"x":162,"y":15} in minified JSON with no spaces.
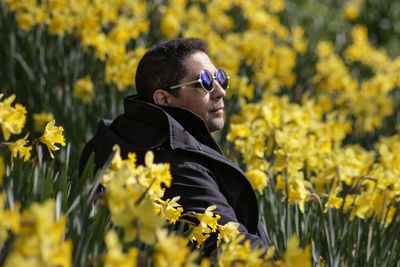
{"x":179,"y":102}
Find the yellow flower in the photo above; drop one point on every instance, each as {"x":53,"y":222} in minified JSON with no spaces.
{"x":168,"y":209}
{"x":10,"y":219}
{"x":18,"y":147}
{"x":229,"y":252}
{"x":25,"y":21}
{"x":51,"y":136}
{"x":333,"y":200}
{"x":238,"y":131}
{"x":138,"y":220}
{"x":238,"y":251}
{"x":2,"y":170}
{"x":362,"y":206}
{"x":324,"y":49}
{"x":58,"y":25}
{"x":295,"y":256}
{"x":258,"y":179}
{"x":205,"y":262}
{"x":117,"y":161}
{"x":153,"y":176}
{"x":100,"y":43}
{"x":40,"y":241}
{"x":275,"y":5}
{"x":40,"y":120}
{"x":208,"y":219}
{"x":170,"y":250}
{"x":298,"y":191}
{"x":115,"y":256}
{"x":299,"y":43}
{"x":170,"y":25}
{"x":389,"y":215}
{"x":207,"y":224}
{"x":228,"y":232}
{"x":270,"y":253}
{"x":57,"y":6}
{"x":84,"y":90}
{"x":122,"y":187}
{"x":359,"y":33}
{"x":351,"y":10}
{"x":199,"y":234}
{"x":12,"y":119}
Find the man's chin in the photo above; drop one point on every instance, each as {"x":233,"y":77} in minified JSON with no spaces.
{"x":215,"y":125}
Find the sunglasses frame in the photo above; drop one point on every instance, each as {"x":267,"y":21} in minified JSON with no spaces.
{"x":214,"y":77}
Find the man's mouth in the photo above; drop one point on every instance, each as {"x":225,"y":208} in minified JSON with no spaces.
{"x":218,"y":109}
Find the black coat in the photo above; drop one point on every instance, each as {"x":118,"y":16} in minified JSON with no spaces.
{"x":202,"y":175}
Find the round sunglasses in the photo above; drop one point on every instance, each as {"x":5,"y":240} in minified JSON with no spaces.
{"x":207,"y":80}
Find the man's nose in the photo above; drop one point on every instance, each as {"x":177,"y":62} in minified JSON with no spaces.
{"x":218,"y":91}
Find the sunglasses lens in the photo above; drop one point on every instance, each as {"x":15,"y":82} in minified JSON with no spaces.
{"x":222,"y":79}
{"x":207,"y":80}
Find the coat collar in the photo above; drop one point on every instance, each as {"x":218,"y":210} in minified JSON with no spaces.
{"x":186,"y":130}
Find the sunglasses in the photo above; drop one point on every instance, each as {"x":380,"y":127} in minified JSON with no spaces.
{"x":207,"y":80}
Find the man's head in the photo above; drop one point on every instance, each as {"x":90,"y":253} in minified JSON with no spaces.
{"x":177,"y":62}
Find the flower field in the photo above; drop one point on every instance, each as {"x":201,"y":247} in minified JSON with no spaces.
{"x":312,"y":116}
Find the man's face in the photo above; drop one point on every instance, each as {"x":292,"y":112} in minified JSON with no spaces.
{"x":209,"y":106}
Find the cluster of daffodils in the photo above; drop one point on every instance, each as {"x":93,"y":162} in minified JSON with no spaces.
{"x":10,"y":219}
{"x":268,"y":52}
{"x":134,"y":195}
{"x":12,"y":118}
{"x":334,"y":81}
{"x":118,"y":31}
{"x":131,"y":191}
{"x":39,"y":235}
{"x":12,"y":121}
{"x":134,"y":198}
{"x":301,"y":145}
{"x":351,"y":9}
{"x":104,"y":26}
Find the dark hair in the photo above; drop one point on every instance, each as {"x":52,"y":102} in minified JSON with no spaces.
{"x":162,"y":65}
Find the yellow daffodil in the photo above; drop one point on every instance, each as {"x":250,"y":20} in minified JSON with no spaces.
{"x":239,"y":251}
{"x":58,"y":25}
{"x":122,"y":186}
{"x":26,"y":20}
{"x":227,"y":232}
{"x":270,"y":254}
{"x":275,"y":5}
{"x":12,"y":119}
{"x":333,"y":200}
{"x":52,"y":135}
{"x":199,"y":234}
{"x":351,"y":10}
{"x":2,"y":170}
{"x":168,"y":209}
{"x":138,"y":221}
{"x":153,"y":176}
{"x":207,"y":219}
{"x":170,"y":25}
{"x":19,"y":148}
{"x":294,"y":255}
{"x":115,"y":255}
{"x":207,"y":224}
{"x":40,"y":120}
{"x":40,"y":241}
{"x":10,"y":219}
{"x":84,"y":90}
{"x":170,"y":250}
{"x":258,"y":179}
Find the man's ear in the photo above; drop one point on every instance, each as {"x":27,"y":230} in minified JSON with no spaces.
{"x":161,"y":97}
